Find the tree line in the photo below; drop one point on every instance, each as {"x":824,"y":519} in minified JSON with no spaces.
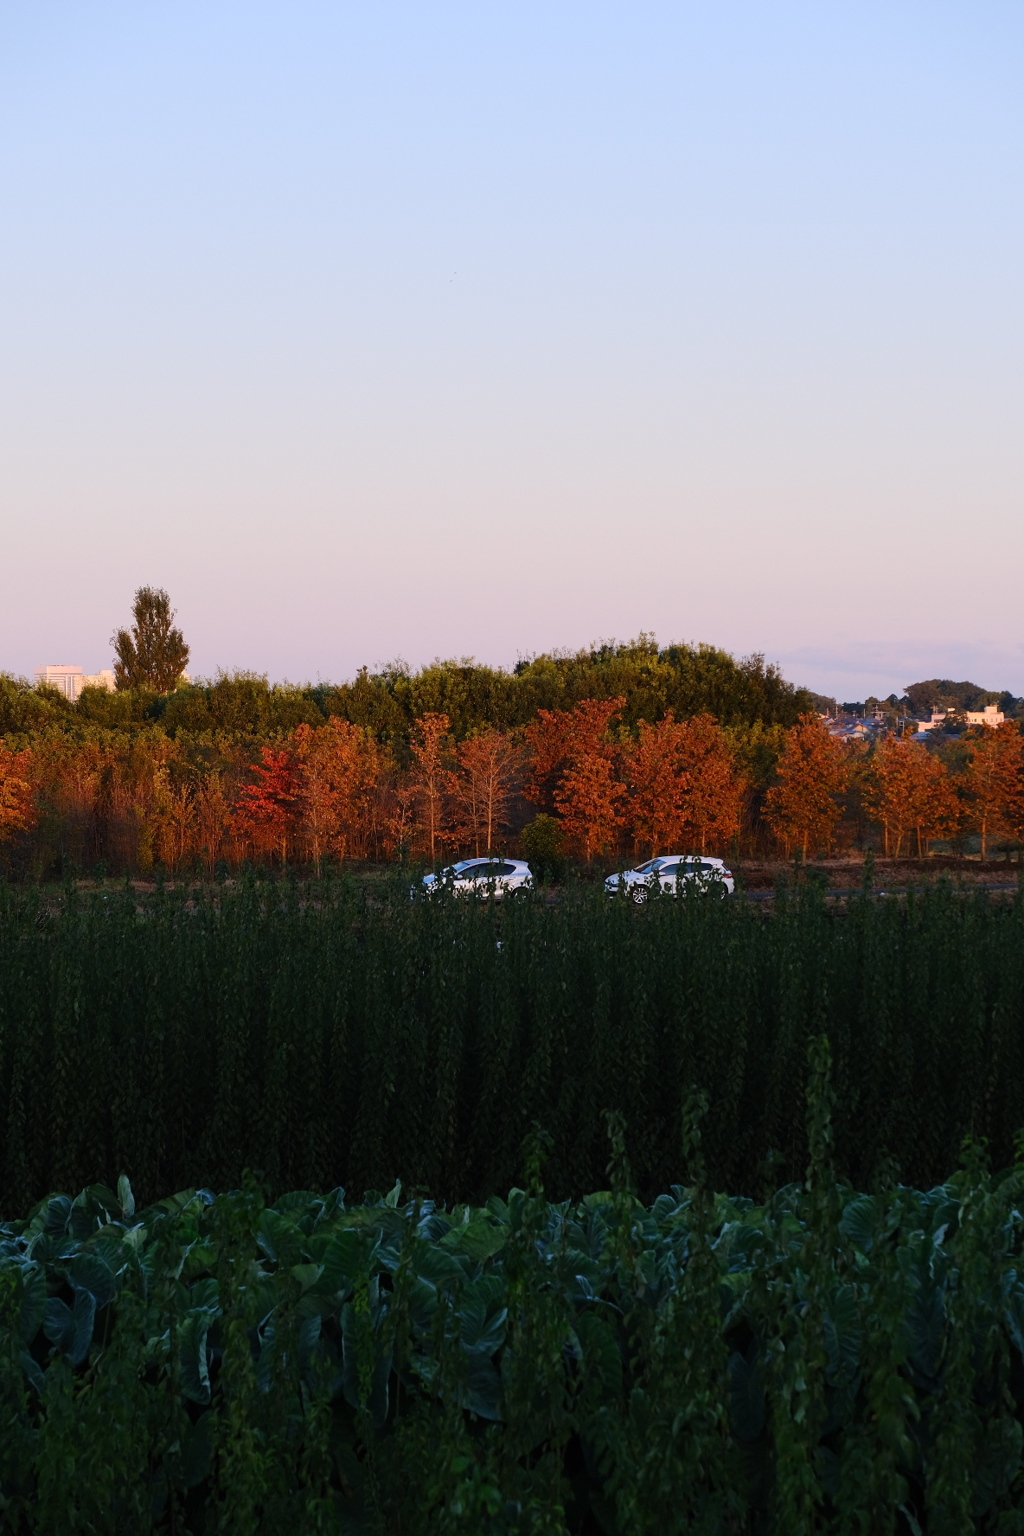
{"x":387,"y":702}
{"x":581,"y":781}
{"x":619,"y":747}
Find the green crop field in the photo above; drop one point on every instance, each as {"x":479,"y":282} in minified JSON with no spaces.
{"x":793,"y":1357}
{"x":322,"y":1035}
{"x":823,"y":1361}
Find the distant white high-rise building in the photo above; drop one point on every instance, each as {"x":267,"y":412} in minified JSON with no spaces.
{"x":71,"y":680}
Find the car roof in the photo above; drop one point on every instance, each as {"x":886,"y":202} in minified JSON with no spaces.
{"x":491,"y":858}
{"x":700,"y":858}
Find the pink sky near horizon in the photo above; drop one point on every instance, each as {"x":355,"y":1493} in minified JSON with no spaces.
{"x":441,"y":331}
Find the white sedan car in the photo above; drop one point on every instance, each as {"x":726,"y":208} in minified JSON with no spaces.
{"x":673,"y":873}
{"x":481,"y":877}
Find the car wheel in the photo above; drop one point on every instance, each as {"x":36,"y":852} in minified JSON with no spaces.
{"x":638,"y":894}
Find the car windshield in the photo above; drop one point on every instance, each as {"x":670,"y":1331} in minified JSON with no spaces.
{"x":642,"y":869}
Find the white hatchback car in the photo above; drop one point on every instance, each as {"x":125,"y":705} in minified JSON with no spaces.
{"x":481,"y":877}
{"x":673,"y":873}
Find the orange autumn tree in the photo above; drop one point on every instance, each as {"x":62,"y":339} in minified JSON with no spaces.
{"x":337,"y":767}
{"x":17,"y":808}
{"x":432,"y":781}
{"x":265,"y":808}
{"x":657,"y":780}
{"x":803,"y":805}
{"x":547,"y":745}
{"x":715,"y":787}
{"x":572,"y":751}
{"x":490,"y":768}
{"x":685,"y":787}
{"x":995,"y":782}
{"x":909,"y":791}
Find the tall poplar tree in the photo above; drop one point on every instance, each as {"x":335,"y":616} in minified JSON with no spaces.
{"x":152,"y":654}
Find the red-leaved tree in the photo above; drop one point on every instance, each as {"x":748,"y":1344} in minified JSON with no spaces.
{"x":265,"y":808}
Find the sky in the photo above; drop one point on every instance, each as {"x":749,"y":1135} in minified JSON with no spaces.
{"x":416,"y":330}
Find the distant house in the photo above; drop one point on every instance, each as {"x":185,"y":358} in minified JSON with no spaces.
{"x":71,"y":680}
{"x":991,"y":715}
{"x":847,"y":727}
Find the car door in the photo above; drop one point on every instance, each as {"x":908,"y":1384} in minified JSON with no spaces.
{"x":466,"y":879}
{"x":710,"y":876}
{"x":687,"y":875}
{"x":506,"y":878}
{"x":487,"y":877}
{"x":668,"y":876}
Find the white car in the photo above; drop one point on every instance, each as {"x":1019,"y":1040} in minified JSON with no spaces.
{"x":673,"y":873}
{"x":481,"y":877}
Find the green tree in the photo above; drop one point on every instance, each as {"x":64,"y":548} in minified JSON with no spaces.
{"x":152,"y":654}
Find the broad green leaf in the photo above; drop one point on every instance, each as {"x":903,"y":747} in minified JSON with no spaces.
{"x":281,"y":1238}
{"x":197,"y":1450}
{"x":478,"y":1239}
{"x":32,"y":1371}
{"x":481,"y":1392}
{"x":192,"y":1356}
{"x":346,"y":1258}
{"x":32,"y":1301}
{"x":88,"y":1272}
{"x":860,"y":1221}
{"x":70,"y":1328}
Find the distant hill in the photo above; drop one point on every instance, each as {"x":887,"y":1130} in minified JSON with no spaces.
{"x":942,"y":693}
{"x":935,"y":693}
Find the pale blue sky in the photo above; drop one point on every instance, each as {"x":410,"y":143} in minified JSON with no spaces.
{"x":480,"y":329}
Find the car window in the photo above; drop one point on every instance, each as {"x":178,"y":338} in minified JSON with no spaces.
{"x":504,"y":869}
{"x":642,"y":869}
{"x":667,"y":869}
